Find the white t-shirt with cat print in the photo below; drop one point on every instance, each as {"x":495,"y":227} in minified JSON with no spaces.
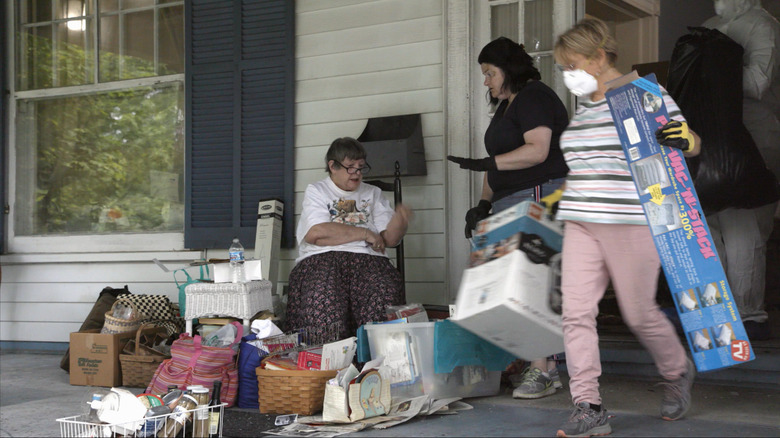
{"x":324,"y":202}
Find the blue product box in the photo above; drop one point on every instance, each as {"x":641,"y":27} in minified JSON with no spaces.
{"x":709,"y":316}
{"x":523,"y":226}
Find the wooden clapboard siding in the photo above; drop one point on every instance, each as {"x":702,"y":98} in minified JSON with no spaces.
{"x":315,"y":5}
{"x":79,"y":292}
{"x":44,"y":301}
{"x":364,"y":14}
{"x":357,"y":60}
{"x":371,"y":60}
{"x":38,"y":331}
{"x":365,"y":84}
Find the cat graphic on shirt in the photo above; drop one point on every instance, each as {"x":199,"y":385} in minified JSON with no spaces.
{"x":346,"y":211}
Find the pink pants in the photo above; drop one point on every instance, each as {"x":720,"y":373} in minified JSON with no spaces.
{"x":592,"y":254}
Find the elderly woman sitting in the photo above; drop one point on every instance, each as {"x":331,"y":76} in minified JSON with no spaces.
{"x":342,"y":274}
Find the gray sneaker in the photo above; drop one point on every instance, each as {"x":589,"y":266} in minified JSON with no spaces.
{"x":677,"y":394}
{"x":585,"y":421}
{"x":534,"y":385}
{"x":555,"y":377}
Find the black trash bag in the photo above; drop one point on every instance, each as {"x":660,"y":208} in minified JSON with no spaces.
{"x":705,"y":79}
{"x":96,"y":317}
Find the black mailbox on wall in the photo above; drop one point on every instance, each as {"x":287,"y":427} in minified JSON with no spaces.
{"x":391,"y":139}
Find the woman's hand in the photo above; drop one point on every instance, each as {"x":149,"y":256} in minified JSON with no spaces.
{"x":375,"y":240}
{"x":398,"y":225}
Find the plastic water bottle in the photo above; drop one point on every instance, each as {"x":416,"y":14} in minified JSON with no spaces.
{"x":94,"y":407}
{"x":237,"y":274}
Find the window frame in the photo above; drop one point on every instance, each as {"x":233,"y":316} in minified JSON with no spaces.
{"x":70,"y":243}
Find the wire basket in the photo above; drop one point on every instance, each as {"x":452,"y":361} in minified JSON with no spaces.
{"x":79,"y":426}
{"x":114,"y":325}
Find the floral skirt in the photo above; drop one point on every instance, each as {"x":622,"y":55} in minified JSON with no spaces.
{"x":341,"y":289}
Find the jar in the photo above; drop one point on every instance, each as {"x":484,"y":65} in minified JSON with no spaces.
{"x":179,"y":416}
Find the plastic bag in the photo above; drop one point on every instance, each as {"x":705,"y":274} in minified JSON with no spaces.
{"x":705,"y":79}
{"x":221,"y":337}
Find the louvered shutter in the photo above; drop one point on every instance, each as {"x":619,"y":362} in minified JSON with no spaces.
{"x":239,"y":101}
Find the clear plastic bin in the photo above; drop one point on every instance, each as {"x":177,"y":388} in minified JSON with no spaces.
{"x":408,"y":350}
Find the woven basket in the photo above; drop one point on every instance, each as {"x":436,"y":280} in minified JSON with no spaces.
{"x":139,"y":366}
{"x":115,"y":325}
{"x":292,"y":392}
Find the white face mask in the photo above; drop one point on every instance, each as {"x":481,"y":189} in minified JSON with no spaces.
{"x":580,"y":82}
{"x":719,"y":7}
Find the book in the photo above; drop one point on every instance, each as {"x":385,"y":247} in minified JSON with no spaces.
{"x":280,"y":363}
{"x":310,"y":359}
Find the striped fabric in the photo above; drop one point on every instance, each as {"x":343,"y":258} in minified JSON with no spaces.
{"x":192,"y":363}
{"x":599,"y":187}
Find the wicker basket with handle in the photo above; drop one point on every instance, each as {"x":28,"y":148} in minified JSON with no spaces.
{"x":292,"y":392}
{"x":141,"y":361}
{"x":114,"y":325}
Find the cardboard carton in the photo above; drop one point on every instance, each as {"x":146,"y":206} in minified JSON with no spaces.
{"x":268,"y":239}
{"x":94,"y":358}
{"x":513,"y":300}
{"x":701,"y":292}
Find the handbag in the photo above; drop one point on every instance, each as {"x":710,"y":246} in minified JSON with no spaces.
{"x":189,"y":281}
{"x":193,"y":363}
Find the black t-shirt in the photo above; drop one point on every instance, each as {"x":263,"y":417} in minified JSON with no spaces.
{"x":535,"y":105}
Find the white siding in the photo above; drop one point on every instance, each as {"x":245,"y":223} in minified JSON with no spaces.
{"x":44,"y":297}
{"x":356,"y":59}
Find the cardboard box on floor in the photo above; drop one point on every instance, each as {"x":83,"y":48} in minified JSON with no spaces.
{"x":94,"y":358}
{"x":511,"y":297}
{"x":701,"y":292}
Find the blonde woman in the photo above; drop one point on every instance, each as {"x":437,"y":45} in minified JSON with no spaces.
{"x":606,"y":236}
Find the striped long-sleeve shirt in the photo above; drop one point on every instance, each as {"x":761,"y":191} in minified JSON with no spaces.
{"x":599,"y":187}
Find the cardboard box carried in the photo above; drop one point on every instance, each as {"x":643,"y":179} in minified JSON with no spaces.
{"x":94,"y":357}
{"x":511,"y":297}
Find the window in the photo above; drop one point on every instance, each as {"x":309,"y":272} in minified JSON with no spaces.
{"x":99,"y":99}
{"x":530,"y":22}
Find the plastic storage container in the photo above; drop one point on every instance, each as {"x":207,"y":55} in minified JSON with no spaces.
{"x":408,"y":349}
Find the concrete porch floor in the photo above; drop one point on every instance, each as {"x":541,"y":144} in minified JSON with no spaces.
{"x":34,"y":392}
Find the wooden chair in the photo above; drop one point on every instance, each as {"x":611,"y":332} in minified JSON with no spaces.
{"x":394,"y":187}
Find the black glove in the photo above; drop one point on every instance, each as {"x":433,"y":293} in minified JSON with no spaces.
{"x":675,"y":135}
{"x":476,"y":214}
{"x":480,"y":165}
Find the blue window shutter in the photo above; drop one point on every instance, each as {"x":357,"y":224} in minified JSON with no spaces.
{"x":240,"y":84}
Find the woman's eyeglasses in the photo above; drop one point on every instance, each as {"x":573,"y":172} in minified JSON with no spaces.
{"x":353,"y":170}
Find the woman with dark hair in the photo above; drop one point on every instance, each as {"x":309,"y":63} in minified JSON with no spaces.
{"x":342,"y":275}
{"x":524,"y":160}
